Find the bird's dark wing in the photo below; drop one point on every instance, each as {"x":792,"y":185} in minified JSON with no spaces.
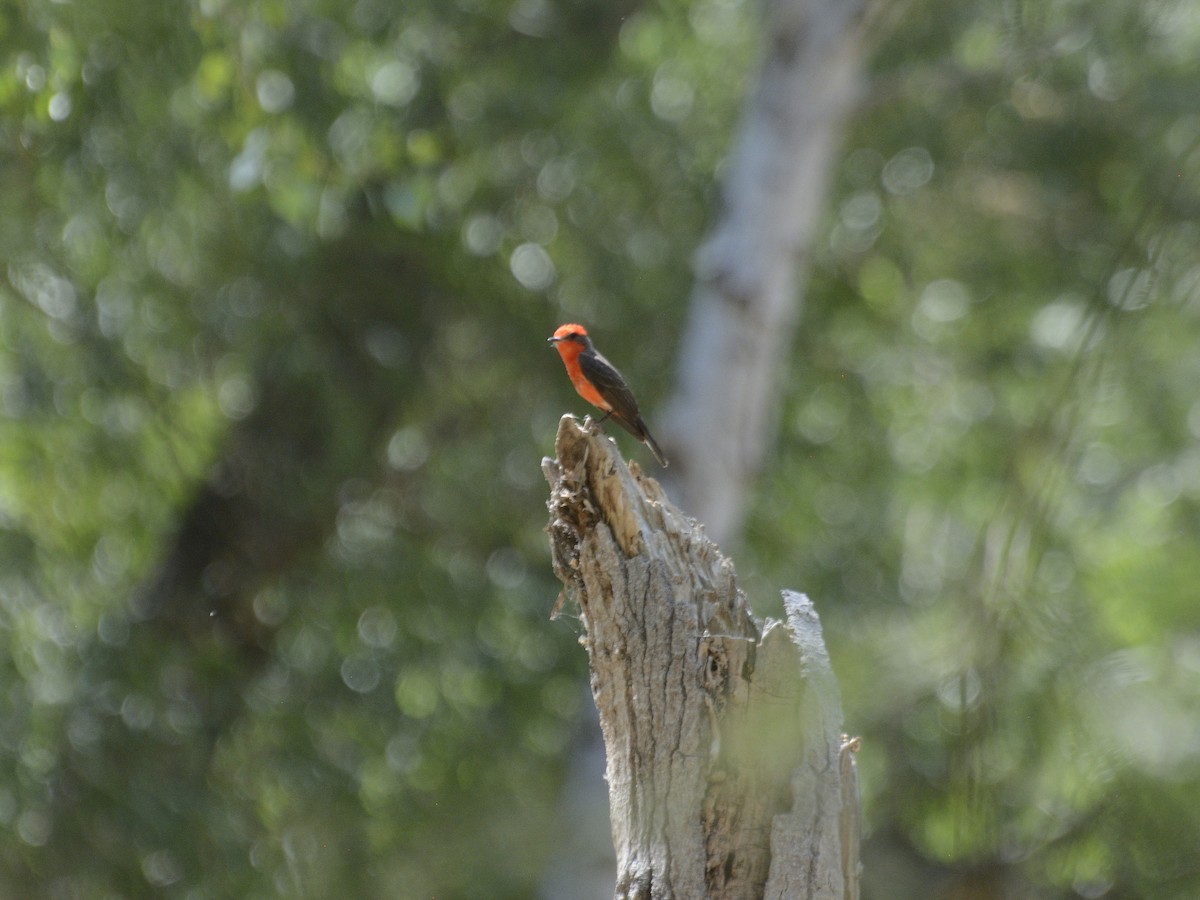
{"x":612,"y":387}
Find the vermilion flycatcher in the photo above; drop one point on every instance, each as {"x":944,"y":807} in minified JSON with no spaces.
{"x":599,"y":383}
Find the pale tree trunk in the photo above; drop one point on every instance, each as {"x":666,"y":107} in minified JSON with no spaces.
{"x":751,"y":270}
{"x":729,"y":776}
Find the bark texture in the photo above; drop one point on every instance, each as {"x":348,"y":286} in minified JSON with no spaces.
{"x":728,"y":773}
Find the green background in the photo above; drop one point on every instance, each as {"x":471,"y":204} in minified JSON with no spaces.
{"x":277,"y":278}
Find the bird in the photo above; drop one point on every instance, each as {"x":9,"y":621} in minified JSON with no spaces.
{"x":598,"y":382}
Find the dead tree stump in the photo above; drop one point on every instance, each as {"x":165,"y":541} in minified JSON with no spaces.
{"x":728,"y":773}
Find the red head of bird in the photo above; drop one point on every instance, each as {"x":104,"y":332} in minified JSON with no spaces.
{"x":570,"y":340}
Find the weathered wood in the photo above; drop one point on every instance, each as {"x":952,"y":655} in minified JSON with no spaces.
{"x":724,"y":747}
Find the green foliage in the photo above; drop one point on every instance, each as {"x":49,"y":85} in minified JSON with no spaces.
{"x":273,"y":582}
{"x":996,"y":427}
{"x":275,"y":383}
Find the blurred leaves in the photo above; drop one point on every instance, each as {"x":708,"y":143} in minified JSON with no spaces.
{"x":273,"y":583}
{"x":993,"y":426}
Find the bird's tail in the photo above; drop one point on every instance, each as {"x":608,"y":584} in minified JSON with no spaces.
{"x":650,"y":442}
{"x":638,"y":429}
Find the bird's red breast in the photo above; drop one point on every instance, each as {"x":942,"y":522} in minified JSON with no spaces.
{"x":570,"y":340}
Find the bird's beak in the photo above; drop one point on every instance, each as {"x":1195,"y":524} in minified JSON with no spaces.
{"x":552,"y":340}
